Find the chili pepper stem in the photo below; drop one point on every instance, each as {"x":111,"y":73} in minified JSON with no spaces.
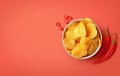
{"x":115,"y":39}
{"x":107,"y":32}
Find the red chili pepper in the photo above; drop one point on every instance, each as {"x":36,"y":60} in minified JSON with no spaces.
{"x":66,"y":21}
{"x":66,"y":16}
{"x":70,"y":18}
{"x":105,"y":44}
{"x":110,"y":51}
{"x":58,"y":24}
{"x":61,"y":28}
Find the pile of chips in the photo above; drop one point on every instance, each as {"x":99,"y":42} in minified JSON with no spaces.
{"x":81,"y":38}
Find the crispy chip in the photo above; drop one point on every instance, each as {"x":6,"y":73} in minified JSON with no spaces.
{"x":69,"y":43}
{"x":93,"y":48}
{"x":73,"y":25}
{"x":79,"y":54}
{"x":69,"y":50}
{"x":87,"y":20}
{"x":80,"y":30}
{"x":96,"y":39}
{"x":85,"y":40}
{"x":94,"y":45}
{"x":99,"y":41}
{"x":91,"y":30}
{"x":70,"y":34}
{"x":79,"y":50}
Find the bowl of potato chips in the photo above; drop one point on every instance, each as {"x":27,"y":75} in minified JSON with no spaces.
{"x":82,"y":38}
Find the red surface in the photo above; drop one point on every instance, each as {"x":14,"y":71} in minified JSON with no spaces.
{"x":30,"y":42}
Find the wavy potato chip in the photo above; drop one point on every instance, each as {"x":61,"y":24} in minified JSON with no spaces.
{"x":94,"y":45}
{"x":79,"y":50}
{"x":93,"y":48}
{"x":96,"y":39}
{"x":80,"y":30}
{"x":70,"y":34}
{"x":85,"y":41}
{"x":99,"y":41}
{"x":69,"y":43}
{"x":87,"y":20}
{"x":91,"y":30}
{"x":73,"y":25}
{"x":79,"y":54}
{"x":69,"y":50}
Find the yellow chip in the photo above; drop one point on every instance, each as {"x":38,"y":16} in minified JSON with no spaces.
{"x":70,"y":31}
{"x":94,"y":45}
{"x":80,"y":49}
{"x":96,"y":39}
{"x":91,"y":30}
{"x":80,"y":30}
{"x":70,"y":34}
{"x":87,"y":20}
{"x":69,"y":43}
{"x":85,"y":43}
{"x":93,"y":48}
{"x":79,"y":53}
{"x":77,"y":50}
{"x":73,"y":25}
{"x":99,"y":41}
{"x":69,"y":50}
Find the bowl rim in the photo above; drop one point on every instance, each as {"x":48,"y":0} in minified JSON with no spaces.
{"x":89,"y":56}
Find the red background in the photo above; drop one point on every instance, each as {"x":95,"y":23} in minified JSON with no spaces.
{"x":30,"y":43}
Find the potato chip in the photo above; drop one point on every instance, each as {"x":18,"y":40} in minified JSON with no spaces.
{"x":79,"y":53}
{"x":77,"y":39}
{"x":70,"y":31}
{"x":69,"y":43}
{"x":87,"y":20}
{"x":93,"y":48}
{"x":69,"y":50}
{"x":99,"y":41}
{"x":96,"y":39}
{"x":85,"y":42}
{"x":94,"y":45}
{"x":79,"y":50}
{"x":70,"y":34}
{"x":73,"y":25}
{"x":80,"y":30}
{"x":91,"y":30}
